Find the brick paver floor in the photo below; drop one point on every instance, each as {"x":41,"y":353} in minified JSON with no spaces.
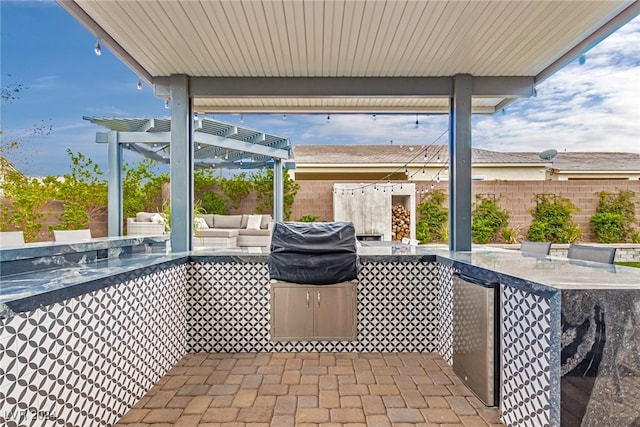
{"x":310,"y":389}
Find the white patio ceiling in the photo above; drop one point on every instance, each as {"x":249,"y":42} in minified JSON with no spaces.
{"x":370,"y":56}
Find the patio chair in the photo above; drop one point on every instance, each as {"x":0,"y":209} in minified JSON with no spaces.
{"x":591,"y":253}
{"x":11,"y":238}
{"x":542,"y":248}
{"x":72,"y":235}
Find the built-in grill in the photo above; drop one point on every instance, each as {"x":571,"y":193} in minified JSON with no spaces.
{"x":313,"y":267}
{"x":317,"y":253}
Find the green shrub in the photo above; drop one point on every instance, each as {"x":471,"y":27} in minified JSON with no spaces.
{"x":614,"y":218}
{"x":487,"y":220}
{"x":432,"y":218}
{"x":308,"y":218}
{"x":552,"y":220}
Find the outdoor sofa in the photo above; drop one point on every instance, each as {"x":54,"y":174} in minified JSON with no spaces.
{"x":145,"y":224}
{"x":232,"y":230}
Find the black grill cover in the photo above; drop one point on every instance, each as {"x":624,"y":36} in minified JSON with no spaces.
{"x":317,"y":253}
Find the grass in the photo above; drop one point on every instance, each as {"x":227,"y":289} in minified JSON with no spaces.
{"x":629,"y":264}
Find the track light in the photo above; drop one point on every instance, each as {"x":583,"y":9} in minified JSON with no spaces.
{"x":97,"y":49}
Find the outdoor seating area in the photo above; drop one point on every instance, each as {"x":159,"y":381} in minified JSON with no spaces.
{"x":146,"y":224}
{"x":229,"y":231}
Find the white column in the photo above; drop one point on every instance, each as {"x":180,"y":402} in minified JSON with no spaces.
{"x":114,"y":222}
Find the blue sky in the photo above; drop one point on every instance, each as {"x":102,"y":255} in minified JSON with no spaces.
{"x":590,"y":107}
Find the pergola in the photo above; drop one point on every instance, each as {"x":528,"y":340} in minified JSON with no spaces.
{"x":325,"y":56}
{"x":216,"y":145}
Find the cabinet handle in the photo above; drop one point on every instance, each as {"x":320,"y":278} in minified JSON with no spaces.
{"x":307,"y":299}
{"x":318,"y":298}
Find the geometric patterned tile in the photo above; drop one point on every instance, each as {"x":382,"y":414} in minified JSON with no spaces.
{"x":86,"y":360}
{"x":229,"y":306}
{"x":445,"y":304}
{"x":526,"y":381}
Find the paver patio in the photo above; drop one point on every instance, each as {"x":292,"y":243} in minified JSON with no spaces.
{"x":310,"y":389}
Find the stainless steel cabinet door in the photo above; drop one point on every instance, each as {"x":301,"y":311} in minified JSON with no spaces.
{"x":335,"y":312}
{"x":291,"y":313}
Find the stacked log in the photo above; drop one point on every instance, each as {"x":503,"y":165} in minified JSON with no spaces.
{"x":400,"y":221}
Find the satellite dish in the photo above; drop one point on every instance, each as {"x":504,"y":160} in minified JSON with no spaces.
{"x":549,"y":154}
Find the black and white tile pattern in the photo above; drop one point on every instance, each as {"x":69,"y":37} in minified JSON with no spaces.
{"x":85,"y":361}
{"x":229,"y":309}
{"x":445,"y":305}
{"x":526,"y":380}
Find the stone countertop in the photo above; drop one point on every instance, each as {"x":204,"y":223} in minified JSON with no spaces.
{"x":543,"y":274}
{"x":554,"y":273}
{"x":21,"y":291}
{"x":43,"y":249}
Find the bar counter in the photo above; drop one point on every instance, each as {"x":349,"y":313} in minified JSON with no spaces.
{"x":95,"y":336}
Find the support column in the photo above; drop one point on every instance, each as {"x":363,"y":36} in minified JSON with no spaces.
{"x":114,"y":187}
{"x":460,"y":164}
{"x":278,"y":190}
{"x":181,"y":166}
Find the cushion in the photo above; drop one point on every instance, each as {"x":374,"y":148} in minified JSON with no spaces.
{"x":266,"y":219}
{"x":157,"y":219}
{"x":199,"y":223}
{"x":144,"y":217}
{"x":245,"y":219}
{"x":246,"y":232}
{"x":217,"y":232}
{"x":254,"y":222}
{"x":227,"y":221}
{"x":208,"y":218}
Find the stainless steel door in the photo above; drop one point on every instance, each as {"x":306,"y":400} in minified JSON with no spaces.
{"x":474,"y":331}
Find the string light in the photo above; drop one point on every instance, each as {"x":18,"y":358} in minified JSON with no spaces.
{"x":166,"y":104}
{"x":139,"y":85}
{"x":284,"y":117}
{"x":328,"y":117}
{"x":373,"y":116}
{"x":97,"y":49}
{"x":241,"y":118}
{"x":582,"y":59}
{"x":417,"y":123}
{"x":195,"y":117}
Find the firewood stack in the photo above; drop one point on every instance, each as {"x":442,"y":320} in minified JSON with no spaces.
{"x":400,"y":220}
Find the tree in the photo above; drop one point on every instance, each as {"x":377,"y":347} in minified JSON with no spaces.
{"x":82,"y":191}
{"x":141,"y":188}
{"x":552,"y":220}
{"x":263,"y":186}
{"x":432,"y":218}
{"x":487,"y":220}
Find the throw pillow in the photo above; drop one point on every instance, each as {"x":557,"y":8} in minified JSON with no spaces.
{"x":157,"y":219}
{"x":254,"y":222}
{"x":200,"y":223}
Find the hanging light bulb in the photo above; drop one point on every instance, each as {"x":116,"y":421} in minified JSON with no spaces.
{"x":423,"y":172}
{"x":426,"y":156}
{"x":417,"y":123}
{"x":406,"y":171}
{"x":241,"y":118}
{"x":139,"y":85}
{"x":438,"y":179}
{"x":535,"y":92}
{"x":363,"y":191}
{"x":401,"y":186}
{"x":352,"y":193}
{"x":166,"y":104}
{"x":375,"y":187}
{"x":373,"y":116}
{"x":284,"y":117}
{"x":432,"y":186}
{"x":582,"y":59}
{"x":328,"y":117}
{"x":97,"y":49}
{"x":226,"y":155}
{"x":195,"y":117}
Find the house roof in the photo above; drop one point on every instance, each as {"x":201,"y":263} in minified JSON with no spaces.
{"x":348,"y":56}
{"x":400,"y":154}
{"x":439,"y":154}
{"x":594,"y":161}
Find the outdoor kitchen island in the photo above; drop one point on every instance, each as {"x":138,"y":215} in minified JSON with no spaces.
{"x":569,"y":333}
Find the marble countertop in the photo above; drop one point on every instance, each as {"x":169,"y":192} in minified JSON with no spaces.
{"x":543,"y":273}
